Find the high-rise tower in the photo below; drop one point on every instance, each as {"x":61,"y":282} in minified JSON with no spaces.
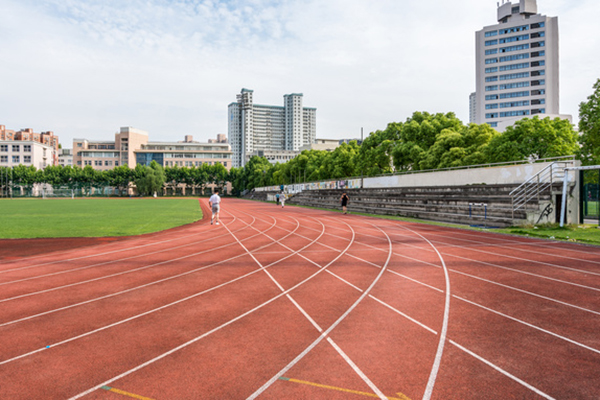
{"x":517,"y":66}
{"x":259,"y":128}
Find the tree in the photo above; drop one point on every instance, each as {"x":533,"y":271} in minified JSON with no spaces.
{"x":589,"y":128}
{"x":149,"y":179}
{"x":533,"y":138}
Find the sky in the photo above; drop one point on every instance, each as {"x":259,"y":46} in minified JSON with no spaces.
{"x":85,"y":68}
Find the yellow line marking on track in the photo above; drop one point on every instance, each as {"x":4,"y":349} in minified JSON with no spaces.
{"x":400,"y":395}
{"x":124,"y":393}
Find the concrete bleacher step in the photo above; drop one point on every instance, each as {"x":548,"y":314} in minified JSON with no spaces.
{"x":456,"y":204}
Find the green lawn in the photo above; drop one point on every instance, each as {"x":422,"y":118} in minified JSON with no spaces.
{"x":37,"y":218}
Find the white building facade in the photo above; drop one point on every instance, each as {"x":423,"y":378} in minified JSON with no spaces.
{"x":256,"y":128}
{"x":27,"y":153}
{"x":517,"y":66}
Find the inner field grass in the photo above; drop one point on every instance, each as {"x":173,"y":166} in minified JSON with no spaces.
{"x":52,"y":218}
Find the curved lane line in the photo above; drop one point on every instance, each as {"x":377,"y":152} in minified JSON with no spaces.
{"x":188,"y":343}
{"x":156,"y":309}
{"x":355,"y":367}
{"x":326,"y":333}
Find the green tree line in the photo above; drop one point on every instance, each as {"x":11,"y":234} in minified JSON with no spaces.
{"x":147,"y":179}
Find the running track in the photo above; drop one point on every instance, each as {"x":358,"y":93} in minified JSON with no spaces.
{"x":302,"y":304}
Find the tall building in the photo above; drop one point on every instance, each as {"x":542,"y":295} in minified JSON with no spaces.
{"x":516,"y":66}
{"x":473,"y":108}
{"x":255,"y":128}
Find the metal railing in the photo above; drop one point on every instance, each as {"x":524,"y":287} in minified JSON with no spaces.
{"x":533,"y":188}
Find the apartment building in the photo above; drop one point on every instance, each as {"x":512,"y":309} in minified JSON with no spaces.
{"x":256,"y":128}
{"x":517,"y":66}
{"x":25,"y":147}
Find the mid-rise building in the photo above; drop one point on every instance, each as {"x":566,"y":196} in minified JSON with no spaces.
{"x":131,"y":147}
{"x":104,"y":155}
{"x":517,"y":66}
{"x":254,"y":127}
{"x":184,"y":154}
{"x":65,"y":157}
{"x":25,"y":147}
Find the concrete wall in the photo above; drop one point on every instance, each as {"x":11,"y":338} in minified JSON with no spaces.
{"x":512,"y":174}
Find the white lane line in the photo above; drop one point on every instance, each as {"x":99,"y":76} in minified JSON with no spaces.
{"x":530,"y":325}
{"x":483,"y":360}
{"x":130,"y":289}
{"x":442,"y":340}
{"x":450,"y":245}
{"x":153,"y":310}
{"x":403,"y":314}
{"x":154,"y":243}
{"x":326,"y":333}
{"x":579,"y":344}
{"x":188,"y":343}
{"x":170,"y":249}
{"x":526,"y":292}
{"x":503,"y":372}
{"x":310,"y":319}
{"x":473,"y":276}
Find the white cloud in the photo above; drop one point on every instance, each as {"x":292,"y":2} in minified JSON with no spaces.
{"x":85,"y":68}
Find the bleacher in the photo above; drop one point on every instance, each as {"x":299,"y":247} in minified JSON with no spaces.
{"x":481,"y":205}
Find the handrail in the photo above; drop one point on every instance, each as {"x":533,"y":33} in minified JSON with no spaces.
{"x":538,"y":184}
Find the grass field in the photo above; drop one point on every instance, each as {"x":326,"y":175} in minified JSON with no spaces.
{"x":37,"y":218}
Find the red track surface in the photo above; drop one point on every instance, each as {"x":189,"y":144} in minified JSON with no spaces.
{"x":301,"y":304}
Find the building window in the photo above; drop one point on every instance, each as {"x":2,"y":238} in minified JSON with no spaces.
{"x":514,"y":48}
{"x":16,"y":147}
{"x":491,"y":69}
{"x":538,"y":73}
{"x":514,"y":85}
{"x":490,"y":88}
{"x":78,"y":162}
{"x":491,"y":78}
{"x":491,"y":51}
{"x":27,"y":159}
{"x":521,"y":28}
{"x":538,"y":83}
{"x":514,"y":94}
{"x":538,"y":34}
{"x":538,"y":25}
{"x":514,"y":113}
{"x":491,"y":42}
{"x":491,"y":60}
{"x":491,"y":106}
{"x":514,"y":76}
{"x":27,"y":148}
{"x":491,"y":115}
{"x":514,"y":57}
{"x":514,"y":66}
{"x":514,"y":39}
{"x":4,"y":147}
{"x":540,"y":63}
{"x":16,"y":159}
{"x":539,"y":111}
{"x":538,"y":53}
{"x":512,"y":104}
{"x":538,"y":92}
{"x":4,"y":159}
{"x":538,"y":102}
{"x":538,"y":44}
{"x":491,"y":97}
{"x":493,"y":124}
{"x":491,"y":33}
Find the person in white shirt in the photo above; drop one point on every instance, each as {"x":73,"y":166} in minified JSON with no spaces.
{"x":215,"y":203}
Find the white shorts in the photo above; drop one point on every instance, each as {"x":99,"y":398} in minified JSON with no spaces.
{"x":215,"y":208}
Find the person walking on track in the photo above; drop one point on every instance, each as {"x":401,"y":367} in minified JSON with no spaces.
{"x":344,"y":200}
{"x":215,"y":204}
{"x":282,"y":200}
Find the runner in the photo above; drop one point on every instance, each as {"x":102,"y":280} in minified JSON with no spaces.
{"x":215,"y":202}
{"x":282,"y":200}
{"x":344,"y":200}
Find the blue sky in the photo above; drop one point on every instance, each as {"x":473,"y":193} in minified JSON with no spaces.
{"x":85,"y":68}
